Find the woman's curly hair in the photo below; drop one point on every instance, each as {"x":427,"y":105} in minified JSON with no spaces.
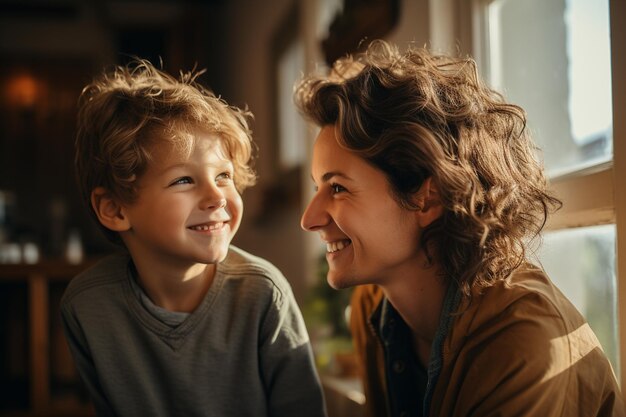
{"x":129,"y":109}
{"x":416,"y":115}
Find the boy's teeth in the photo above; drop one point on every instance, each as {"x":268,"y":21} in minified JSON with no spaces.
{"x":336,"y":246}
{"x":205,"y":227}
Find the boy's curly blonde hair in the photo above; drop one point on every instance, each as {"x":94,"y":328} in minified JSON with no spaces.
{"x":416,"y":115}
{"x":127,"y":111}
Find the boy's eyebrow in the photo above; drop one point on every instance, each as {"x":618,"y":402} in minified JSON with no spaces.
{"x":221,"y":164}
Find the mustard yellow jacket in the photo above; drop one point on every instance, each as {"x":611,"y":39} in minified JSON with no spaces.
{"x":519,"y":348}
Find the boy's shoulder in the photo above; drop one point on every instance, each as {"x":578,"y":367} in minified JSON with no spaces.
{"x":239,"y":263}
{"x":107,"y":272}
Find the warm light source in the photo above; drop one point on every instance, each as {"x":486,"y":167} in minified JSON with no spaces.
{"x":22,"y":91}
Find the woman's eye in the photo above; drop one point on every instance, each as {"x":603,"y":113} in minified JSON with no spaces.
{"x":336,"y":188}
{"x":183,"y":180}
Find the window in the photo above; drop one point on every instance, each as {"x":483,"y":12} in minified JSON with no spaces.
{"x":291,"y":127}
{"x":555,"y":59}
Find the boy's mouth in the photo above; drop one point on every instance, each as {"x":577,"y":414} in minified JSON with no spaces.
{"x":338,"y":245}
{"x":206,"y":227}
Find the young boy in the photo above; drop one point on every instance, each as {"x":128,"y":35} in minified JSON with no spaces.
{"x":182,"y":323}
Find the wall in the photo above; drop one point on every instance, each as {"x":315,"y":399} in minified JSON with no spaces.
{"x":270,"y":228}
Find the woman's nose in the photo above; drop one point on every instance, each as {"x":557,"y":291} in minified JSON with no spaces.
{"x":314,"y":216}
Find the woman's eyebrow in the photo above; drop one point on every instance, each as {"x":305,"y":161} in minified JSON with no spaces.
{"x":331,"y":174}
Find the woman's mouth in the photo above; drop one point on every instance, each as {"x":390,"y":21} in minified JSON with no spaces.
{"x":332,"y":247}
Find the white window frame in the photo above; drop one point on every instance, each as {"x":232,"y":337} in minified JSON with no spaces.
{"x":617,"y":18}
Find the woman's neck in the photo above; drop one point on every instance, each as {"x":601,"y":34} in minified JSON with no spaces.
{"x":418,"y":298}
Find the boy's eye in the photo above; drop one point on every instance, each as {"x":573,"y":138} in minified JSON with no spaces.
{"x":336,"y":188}
{"x":224,"y":177}
{"x":182,"y":180}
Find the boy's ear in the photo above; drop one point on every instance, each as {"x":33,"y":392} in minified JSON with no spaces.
{"x":108,"y":210}
{"x":428,"y":202}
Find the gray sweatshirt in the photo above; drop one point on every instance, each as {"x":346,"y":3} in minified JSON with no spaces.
{"x":243,"y":352}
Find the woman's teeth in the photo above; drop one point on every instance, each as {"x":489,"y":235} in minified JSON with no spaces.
{"x":336,"y":246}
{"x":207,"y":227}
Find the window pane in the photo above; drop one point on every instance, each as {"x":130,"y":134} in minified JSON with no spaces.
{"x":552,"y":57}
{"x":581,"y":262}
{"x":291,"y":127}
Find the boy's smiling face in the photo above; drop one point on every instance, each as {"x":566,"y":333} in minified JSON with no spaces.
{"x":187,"y":209}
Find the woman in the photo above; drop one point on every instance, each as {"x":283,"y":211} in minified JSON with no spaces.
{"x":428,"y":192}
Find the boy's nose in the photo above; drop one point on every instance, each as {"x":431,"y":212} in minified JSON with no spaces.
{"x":212,"y":198}
{"x":213,"y":203}
{"x":221,"y":203}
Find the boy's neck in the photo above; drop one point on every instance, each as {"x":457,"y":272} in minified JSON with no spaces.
{"x":180,"y":290}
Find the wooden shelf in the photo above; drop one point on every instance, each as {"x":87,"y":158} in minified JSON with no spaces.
{"x":42,"y":285}
{"x":52,"y":269}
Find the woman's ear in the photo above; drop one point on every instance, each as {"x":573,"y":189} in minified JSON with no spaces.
{"x":108,"y":210}
{"x":428,"y":201}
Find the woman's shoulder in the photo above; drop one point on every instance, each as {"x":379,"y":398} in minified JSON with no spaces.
{"x":522,"y":335}
{"x":528,"y":288}
{"x":525,"y":308}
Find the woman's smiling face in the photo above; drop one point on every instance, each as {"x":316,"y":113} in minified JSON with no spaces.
{"x":369,"y":237}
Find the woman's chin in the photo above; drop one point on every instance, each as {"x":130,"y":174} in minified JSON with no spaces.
{"x":339,"y":282}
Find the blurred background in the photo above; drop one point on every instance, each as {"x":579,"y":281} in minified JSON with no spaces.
{"x":554,"y":57}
